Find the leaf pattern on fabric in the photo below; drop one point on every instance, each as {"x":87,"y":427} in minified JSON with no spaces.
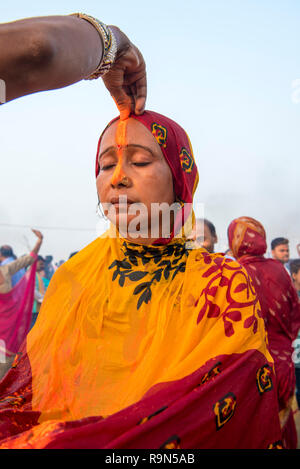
{"x":232,"y":312}
{"x":169,"y":260}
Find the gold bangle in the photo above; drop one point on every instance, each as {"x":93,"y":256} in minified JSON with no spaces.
{"x":109,"y":46}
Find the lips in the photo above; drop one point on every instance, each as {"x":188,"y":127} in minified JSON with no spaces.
{"x":121,"y":203}
{"x":121,"y":200}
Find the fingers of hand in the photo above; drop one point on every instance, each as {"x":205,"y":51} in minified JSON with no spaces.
{"x":123,"y":102}
{"x":127,"y":82}
{"x":37,"y":233}
{"x":141,"y":95}
{"x":135,"y":76}
{"x":121,"y":94}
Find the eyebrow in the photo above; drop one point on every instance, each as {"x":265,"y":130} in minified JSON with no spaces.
{"x":112,"y":147}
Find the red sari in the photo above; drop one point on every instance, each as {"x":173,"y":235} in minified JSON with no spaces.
{"x":280,"y":307}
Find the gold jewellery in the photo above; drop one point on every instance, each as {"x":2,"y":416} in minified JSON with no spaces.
{"x":109,"y":45}
{"x":125,"y":181}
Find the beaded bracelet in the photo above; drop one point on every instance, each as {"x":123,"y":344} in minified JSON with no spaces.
{"x":109,"y":46}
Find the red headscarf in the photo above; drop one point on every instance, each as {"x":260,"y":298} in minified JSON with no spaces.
{"x":177,"y":150}
{"x":247,"y":236}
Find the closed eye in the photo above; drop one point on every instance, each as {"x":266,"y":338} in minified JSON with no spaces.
{"x":105,"y":168}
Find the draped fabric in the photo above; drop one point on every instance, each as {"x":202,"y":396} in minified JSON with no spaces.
{"x":135,"y":346}
{"x":15,"y":312}
{"x":279,"y":303}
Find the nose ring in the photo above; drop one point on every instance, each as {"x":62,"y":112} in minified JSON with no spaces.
{"x":125,"y":181}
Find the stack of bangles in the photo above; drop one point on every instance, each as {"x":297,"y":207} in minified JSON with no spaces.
{"x":109,"y":45}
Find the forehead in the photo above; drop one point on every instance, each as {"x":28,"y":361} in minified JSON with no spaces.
{"x":135,"y":133}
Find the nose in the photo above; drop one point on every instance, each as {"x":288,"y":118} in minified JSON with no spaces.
{"x":119,"y":177}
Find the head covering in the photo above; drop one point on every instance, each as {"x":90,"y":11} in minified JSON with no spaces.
{"x":177,"y":150}
{"x":246,"y":236}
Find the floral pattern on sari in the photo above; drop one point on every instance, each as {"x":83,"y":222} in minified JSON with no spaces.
{"x":236,"y":282}
{"x":169,"y":260}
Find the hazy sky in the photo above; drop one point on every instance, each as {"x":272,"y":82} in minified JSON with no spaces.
{"x":225,"y":70}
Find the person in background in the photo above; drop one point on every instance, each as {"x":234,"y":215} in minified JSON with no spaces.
{"x":8,"y":270}
{"x":6,"y":256}
{"x":41,"y":285}
{"x":295,"y":274}
{"x":204,"y":234}
{"x":279,"y":306}
{"x":16,"y":303}
{"x":280,"y":250}
{"x":72,"y":254}
{"x":48,"y":269}
{"x":228,"y":253}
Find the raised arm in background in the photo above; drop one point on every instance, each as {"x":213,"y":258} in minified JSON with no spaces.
{"x":25,"y":261}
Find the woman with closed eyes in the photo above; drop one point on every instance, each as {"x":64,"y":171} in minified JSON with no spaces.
{"x":143,"y":341}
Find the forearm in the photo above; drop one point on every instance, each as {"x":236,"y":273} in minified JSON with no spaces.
{"x":46,"y":53}
{"x":20,"y":263}
{"x":37,"y":246}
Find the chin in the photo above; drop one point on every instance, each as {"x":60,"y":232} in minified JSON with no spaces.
{"x":132,"y":226}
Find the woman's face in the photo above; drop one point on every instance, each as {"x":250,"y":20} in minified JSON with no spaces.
{"x":133,"y":171}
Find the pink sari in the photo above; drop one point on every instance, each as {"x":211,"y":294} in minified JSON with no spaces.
{"x":15,"y":313}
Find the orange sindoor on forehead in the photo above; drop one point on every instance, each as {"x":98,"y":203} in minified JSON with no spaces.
{"x":120,"y":142}
{"x":121,"y":133}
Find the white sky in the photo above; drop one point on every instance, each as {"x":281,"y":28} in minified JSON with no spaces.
{"x":224,"y":70}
